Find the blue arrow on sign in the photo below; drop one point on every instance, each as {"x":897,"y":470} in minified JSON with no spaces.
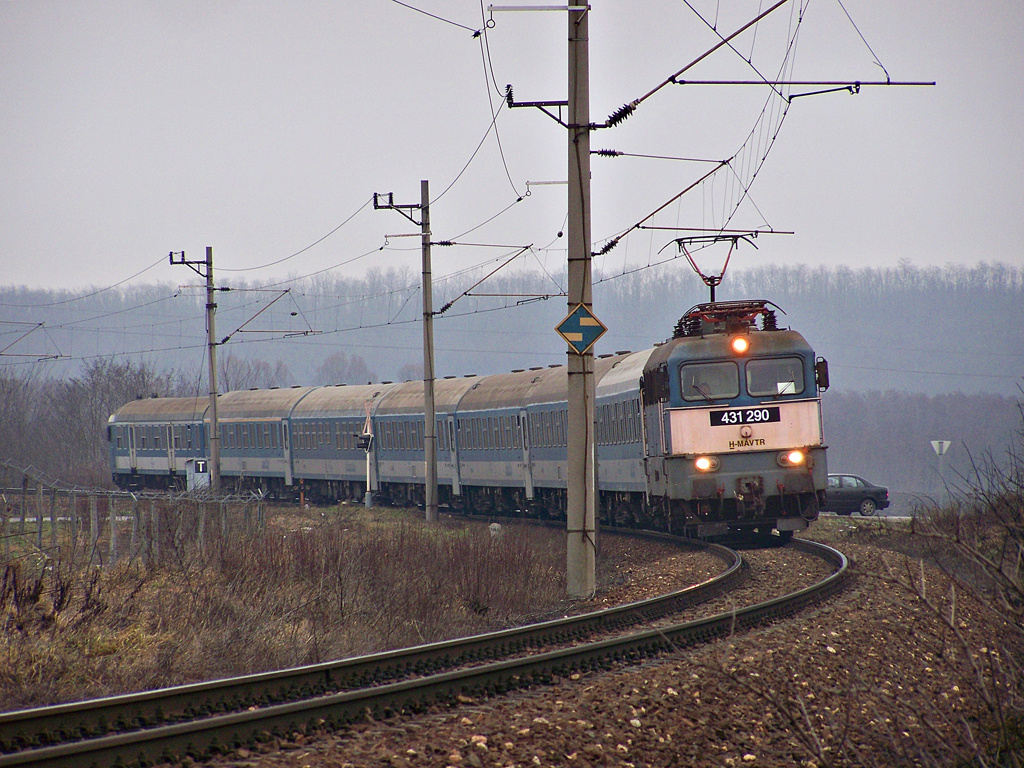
{"x":581,"y":329}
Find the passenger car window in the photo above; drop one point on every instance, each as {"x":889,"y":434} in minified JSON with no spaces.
{"x":709,"y":381}
{"x":781,"y":376}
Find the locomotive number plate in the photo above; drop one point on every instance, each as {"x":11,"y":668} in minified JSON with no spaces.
{"x":744,"y":416}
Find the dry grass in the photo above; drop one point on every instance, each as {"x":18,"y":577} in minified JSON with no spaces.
{"x":309,"y":587}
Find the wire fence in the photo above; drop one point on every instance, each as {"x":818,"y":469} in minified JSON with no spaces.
{"x":43,"y":518}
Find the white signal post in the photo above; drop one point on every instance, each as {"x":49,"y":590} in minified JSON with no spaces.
{"x":940,"y":447}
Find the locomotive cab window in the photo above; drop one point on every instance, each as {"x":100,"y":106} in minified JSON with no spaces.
{"x":781,"y":376}
{"x":709,"y":381}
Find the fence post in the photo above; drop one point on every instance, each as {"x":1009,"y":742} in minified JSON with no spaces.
{"x":176,"y":536}
{"x":112,"y":513}
{"x":154,"y":532}
{"x":39,"y":516}
{"x":261,"y":520}
{"x":135,"y":528}
{"x":53,"y":518}
{"x":74,"y":520}
{"x":24,"y":503}
{"x":224,"y":524}
{"x":4,"y":515}
{"x":94,"y":525}
{"x":202,"y":530}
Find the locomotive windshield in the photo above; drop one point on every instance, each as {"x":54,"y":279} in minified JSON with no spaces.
{"x":781,"y":376}
{"x":710,"y":381}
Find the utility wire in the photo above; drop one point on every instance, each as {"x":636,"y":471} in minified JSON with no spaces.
{"x":476,"y":32}
{"x":326,"y":269}
{"x":72,"y":323}
{"x":303,"y":250}
{"x":626,"y":110}
{"x":88,"y":295}
{"x":748,"y":61}
{"x":866,"y":43}
{"x":491,"y":126}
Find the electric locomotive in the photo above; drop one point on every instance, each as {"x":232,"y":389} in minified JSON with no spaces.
{"x":733,"y":423}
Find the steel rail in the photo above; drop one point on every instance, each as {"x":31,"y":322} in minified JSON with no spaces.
{"x":120,"y":714}
{"x":225,"y":732}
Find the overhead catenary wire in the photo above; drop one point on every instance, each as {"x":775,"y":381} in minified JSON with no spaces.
{"x":878,"y":61}
{"x":200,"y":347}
{"x":613,"y":241}
{"x":491,"y":126}
{"x":449,"y":304}
{"x":733,"y":170}
{"x":747,"y":59}
{"x":485,"y":53}
{"x":161,"y":260}
{"x":747,"y":149}
{"x":494,"y":115}
{"x":301,"y":250}
{"x":627,"y":109}
{"x":475,"y":32}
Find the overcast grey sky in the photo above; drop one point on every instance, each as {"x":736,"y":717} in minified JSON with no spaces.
{"x":131,"y":129}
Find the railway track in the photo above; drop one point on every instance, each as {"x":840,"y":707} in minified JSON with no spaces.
{"x":213,"y":717}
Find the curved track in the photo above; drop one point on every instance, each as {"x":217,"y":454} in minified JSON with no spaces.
{"x":210,"y":717}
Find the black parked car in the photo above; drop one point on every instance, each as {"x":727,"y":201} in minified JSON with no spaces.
{"x":849,"y":493}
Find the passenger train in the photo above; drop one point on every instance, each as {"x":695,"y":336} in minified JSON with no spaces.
{"x":716,"y":430}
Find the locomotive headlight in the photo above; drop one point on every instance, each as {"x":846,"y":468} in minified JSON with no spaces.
{"x":706,"y":463}
{"x":791,"y":458}
{"x":740,"y":344}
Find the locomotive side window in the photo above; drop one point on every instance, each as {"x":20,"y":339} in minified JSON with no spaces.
{"x":781,"y":376}
{"x":709,"y":381}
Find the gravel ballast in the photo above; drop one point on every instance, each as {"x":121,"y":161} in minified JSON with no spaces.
{"x":879,"y":675}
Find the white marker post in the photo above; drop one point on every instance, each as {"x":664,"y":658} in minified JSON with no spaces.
{"x":940,"y":447}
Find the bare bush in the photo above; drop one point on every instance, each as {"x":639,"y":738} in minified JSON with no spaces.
{"x":977,"y":539}
{"x":224,"y":598}
{"x":952,"y":588}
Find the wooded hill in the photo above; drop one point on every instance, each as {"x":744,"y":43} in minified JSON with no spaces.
{"x":916,"y":354}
